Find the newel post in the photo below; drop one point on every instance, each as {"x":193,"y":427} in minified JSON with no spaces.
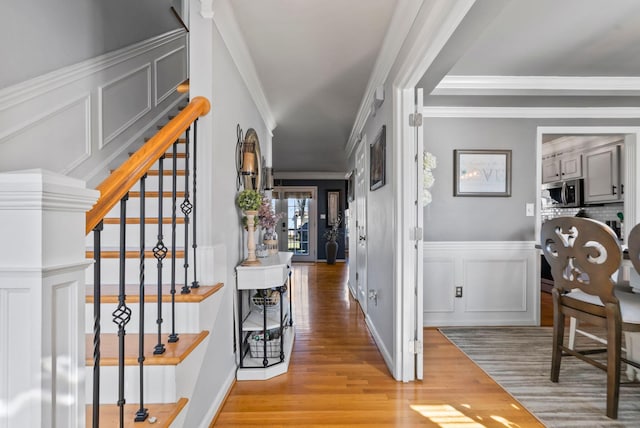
{"x":42,"y":294}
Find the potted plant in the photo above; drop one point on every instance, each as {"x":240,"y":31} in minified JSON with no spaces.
{"x":331,"y":235}
{"x":249,"y":202}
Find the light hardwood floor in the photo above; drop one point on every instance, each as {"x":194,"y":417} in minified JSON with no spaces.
{"x":337,"y":377}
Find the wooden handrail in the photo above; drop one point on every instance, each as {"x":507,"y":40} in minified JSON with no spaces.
{"x":183,"y":87}
{"x":114,"y":187}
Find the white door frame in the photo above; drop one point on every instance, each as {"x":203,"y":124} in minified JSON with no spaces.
{"x":361,"y":193}
{"x":434,"y":30}
{"x":313,"y":220}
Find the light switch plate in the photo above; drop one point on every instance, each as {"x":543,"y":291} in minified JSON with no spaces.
{"x":530,"y":208}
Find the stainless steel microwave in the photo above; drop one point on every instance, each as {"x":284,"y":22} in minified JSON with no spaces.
{"x":564,"y":194}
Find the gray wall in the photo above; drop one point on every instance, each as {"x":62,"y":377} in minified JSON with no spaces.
{"x":42,"y":36}
{"x":450,"y":218}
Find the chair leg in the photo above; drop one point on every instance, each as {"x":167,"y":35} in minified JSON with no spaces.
{"x":558,"y":337}
{"x":614,"y":345}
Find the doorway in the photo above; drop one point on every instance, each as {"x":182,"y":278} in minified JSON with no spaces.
{"x":298,"y":228}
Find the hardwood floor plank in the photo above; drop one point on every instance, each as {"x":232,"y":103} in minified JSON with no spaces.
{"x":338,"y":378}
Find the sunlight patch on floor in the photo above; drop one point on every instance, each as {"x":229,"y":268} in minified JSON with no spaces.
{"x":447,"y":416}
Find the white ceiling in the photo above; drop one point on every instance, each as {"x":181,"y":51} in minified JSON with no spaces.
{"x":314,"y":59}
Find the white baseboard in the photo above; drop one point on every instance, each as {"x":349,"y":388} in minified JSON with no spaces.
{"x":386,"y":355}
{"x":218,"y":401}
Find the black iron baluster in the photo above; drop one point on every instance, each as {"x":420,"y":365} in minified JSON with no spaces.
{"x":142,"y":413}
{"x":186,"y":208}
{"x":263,"y":293}
{"x":173,"y":337}
{"x":122,"y":314}
{"x":160,"y":252}
{"x":195,"y":283}
{"x":281,"y":290}
{"x":97,"y":282}
{"x":290,"y":299}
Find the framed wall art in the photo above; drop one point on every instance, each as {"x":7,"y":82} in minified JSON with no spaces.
{"x":377,"y":160}
{"x":333,"y":207}
{"x":482,"y":173}
{"x":351,"y":186}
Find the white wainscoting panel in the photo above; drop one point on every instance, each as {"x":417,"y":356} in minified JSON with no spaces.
{"x":123,"y":101}
{"x":498,"y":280}
{"x":442,"y":280}
{"x":38,"y":140}
{"x":480,"y":279}
{"x":171,"y":70}
{"x":79,"y":119}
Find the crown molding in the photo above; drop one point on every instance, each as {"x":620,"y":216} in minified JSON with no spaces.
{"x":533,"y":112}
{"x":227,"y":24}
{"x":309,"y":175}
{"x":399,"y":26}
{"x":538,"y":85}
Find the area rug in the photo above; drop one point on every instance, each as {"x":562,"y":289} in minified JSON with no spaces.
{"x":519,"y":359}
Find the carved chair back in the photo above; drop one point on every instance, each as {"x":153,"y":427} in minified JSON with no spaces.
{"x":583,"y":253}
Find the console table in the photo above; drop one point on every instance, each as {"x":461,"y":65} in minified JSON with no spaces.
{"x":265,"y":317}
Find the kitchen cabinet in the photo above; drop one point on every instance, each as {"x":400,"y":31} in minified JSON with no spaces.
{"x":602,"y":175}
{"x":265,"y":317}
{"x":558,"y":167}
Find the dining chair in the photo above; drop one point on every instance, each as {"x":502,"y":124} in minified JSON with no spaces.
{"x":583,"y":254}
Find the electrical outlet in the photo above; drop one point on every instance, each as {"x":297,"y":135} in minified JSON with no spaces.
{"x":458,"y":291}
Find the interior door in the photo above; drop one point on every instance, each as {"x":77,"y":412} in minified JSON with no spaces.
{"x":361,"y":190}
{"x":298,"y":229}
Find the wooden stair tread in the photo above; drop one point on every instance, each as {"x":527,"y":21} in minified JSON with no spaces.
{"x":110,"y":414}
{"x":132,"y":254}
{"x":169,"y":155}
{"x":181,"y":140}
{"x":109,"y":293}
{"x":154,"y":194}
{"x":148,"y":220}
{"x":173,"y":355}
{"x":166,"y":173}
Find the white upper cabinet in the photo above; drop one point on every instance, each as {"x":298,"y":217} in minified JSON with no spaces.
{"x":602,"y":175}
{"x":559,"y":167}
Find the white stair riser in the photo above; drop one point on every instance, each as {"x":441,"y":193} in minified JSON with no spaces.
{"x":151,"y":207}
{"x":110,"y":236}
{"x":189,"y":317}
{"x":159,"y":384}
{"x":110,"y":271}
{"x":162,"y":384}
{"x":152,"y":184}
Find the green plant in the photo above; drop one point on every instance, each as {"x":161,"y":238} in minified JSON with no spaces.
{"x":333,"y":233}
{"x":249,"y":200}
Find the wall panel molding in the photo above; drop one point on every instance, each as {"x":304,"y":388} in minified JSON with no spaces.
{"x":68,"y":122}
{"x":167,"y":78}
{"x":79,"y":119}
{"x":35,"y":87}
{"x":110,"y":96}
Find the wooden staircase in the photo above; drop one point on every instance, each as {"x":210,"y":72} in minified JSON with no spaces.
{"x":168,"y":378}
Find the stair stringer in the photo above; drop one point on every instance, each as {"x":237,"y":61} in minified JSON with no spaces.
{"x":218,"y":373}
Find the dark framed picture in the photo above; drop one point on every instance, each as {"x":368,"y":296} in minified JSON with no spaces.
{"x":333,"y":207}
{"x":351,"y":184}
{"x":377,"y":160}
{"x":482,"y":173}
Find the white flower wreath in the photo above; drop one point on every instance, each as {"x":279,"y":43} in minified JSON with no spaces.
{"x":429,"y":162}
